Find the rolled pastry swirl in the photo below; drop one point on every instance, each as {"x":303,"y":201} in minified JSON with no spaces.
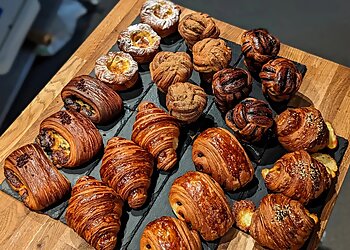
{"x":167,"y":233}
{"x":218,"y":153}
{"x":29,"y":172}
{"x":94,"y":212}
{"x":69,"y":138}
{"x":127,"y":168}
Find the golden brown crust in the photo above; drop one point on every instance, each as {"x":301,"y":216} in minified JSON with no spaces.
{"x":29,"y":172}
{"x":157,"y":132}
{"x":198,"y":199}
{"x":94,"y":212}
{"x":127,"y":168}
{"x":218,"y":153}
{"x":168,"y":68}
{"x":250,"y":119}
{"x":243,"y":211}
{"x":105,"y":103}
{"x":302,"y":128}
{"x":186,"y":101}
{"x":231,"y":86}
{"x":167,"y":233}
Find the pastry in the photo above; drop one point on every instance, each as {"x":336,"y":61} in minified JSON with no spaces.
{"x":218,"y":153}
{"x":117,"y":69}
{"x":209,"y":56}
{"x":258,"y":47}
{"x":94,"y":212}
{"x":162,"y":15}
{"x":29,"y":172}
{"x":92,"y":98}
{"x":141,"y":41}
{"x":278,"y":223}
{"x":186,"y":101}
{"x":280,"y":79}
{"x":168,"y":68}
{"x":127,"y":168}
{"x":167,"y":233}
{"x":157,"y":132}
{"x":69,"y":139}
{"x":250,"y":119}
{"x":197,"y":26}
{"x":198,"y":199}
{"x":231,"y":86}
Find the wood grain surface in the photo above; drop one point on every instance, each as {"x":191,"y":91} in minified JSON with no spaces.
{"x":326,"y":86}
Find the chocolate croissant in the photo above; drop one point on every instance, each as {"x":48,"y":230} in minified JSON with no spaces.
{"x":198,"y":199}
{"x":280,"y":79}
{"x":29,"y":172}
{"x":168,"y":68}
{"x":92,"y":98}
{"x":278,"y":223}
{"x":127,"y":168}
{"x":209,"y":56}
{"x":231,"y":86}
{"x":157,"y":132}
{"x":218,"y":153}
{"x":167,"y":233}
{"x":197,"y":26}
{"x":69,"y":138}
{"x":302,"y":128}
{"x":250,"y":119}
{"x":94,"y":212}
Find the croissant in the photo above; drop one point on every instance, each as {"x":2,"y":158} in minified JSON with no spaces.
{"x":168,"y":68}
{"x":158,"y":133}
{"x":127,"y":168}
{"x":280,"y":79}
{"x":167,"y":233}
{"x":198,"y":199}
{"x":302,"y":128}
{"x":218,"y":153}
{"x":231,"y":86}
{"x":94,"y":212}
{"x":92,"y":98}
{"x":278,"y":223}
{"x":209,"y":56}
{"x":250,"y":119}
{"x":69,"y":138}
{"x":29,"y":172}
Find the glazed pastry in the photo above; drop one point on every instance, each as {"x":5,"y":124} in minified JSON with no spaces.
{"x":117,"y":69}
{"x":29,"y":172}
{"x":258,"y":47}
{"x":94,"y":212}
{"x":168,"y":68}
{"x":69,"y":139}
{"x":209,"y":56}
{"x":92,"y":98}
{"x":218,"y":153}
{"x":302,"y":128}
{"x":197,"y":26}
{"x":231,"y":86}
{"x":157,"y":132}
{"x":299,"y":176}
{"x":162,"y":15}
{"x":167,"y":233}
{"x":141,"y":41}
{"x":250,"y":119}
{"x":127,"y":168}
{"x":198,"y":199}
{"x":278,"y":223}
{"x":280,"y":79}
{"x":186,"y":101}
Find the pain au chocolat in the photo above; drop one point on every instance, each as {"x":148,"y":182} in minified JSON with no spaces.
{"x":29,"y":172}
{"x":69,"y":138}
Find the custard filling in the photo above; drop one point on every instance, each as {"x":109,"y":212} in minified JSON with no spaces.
{"x":79,"y":106}
{"x":162,"y":11}
{"x":142,"y":39}
{"x":118,"y":64}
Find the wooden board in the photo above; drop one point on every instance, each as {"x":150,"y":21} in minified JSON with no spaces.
{"x":325,"y":83}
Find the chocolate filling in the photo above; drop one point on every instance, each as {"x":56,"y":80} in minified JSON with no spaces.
{"x":78,"y":105}
{"x":13,"y":179}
